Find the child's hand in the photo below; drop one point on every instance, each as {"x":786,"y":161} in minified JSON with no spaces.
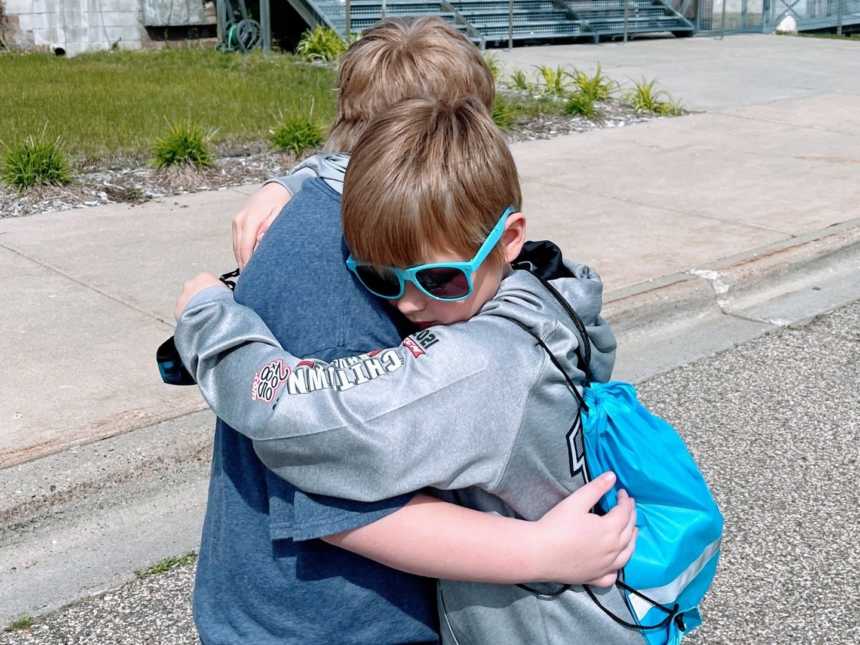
{"x":578,"y":547}
{"x":191,"y":288}
{"x":257,"y":214}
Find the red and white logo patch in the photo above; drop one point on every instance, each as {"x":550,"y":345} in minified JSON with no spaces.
{"x":269,"y":380}
{"x":413,"y":347}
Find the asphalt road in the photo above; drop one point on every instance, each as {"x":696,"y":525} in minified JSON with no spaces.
{"x":774,"y":424}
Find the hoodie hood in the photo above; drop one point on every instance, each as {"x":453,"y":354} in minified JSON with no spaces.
{"x":557,"y":301}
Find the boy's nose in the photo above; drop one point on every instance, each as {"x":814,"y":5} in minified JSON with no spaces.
{"x":412,"y":301}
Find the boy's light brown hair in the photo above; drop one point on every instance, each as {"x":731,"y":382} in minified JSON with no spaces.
{"x":402,"y":58}
{"x":427,"y":176}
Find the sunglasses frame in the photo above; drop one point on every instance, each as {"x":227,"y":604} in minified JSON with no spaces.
{"x":410,"y":274}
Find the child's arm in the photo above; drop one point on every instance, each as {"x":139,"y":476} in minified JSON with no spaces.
{"x":436,"y":539}
{"x":261,"y":209}
{"x":433,"y":412}
{"x":256,"y":216}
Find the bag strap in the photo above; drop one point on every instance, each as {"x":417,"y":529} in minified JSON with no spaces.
{"x":554,"y":360}
{"x":671,"y":612}
{"x":583,"y":349}
{"x":583,"y":353}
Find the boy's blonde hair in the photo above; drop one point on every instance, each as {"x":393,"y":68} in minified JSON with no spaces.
{"x":401,"y":58}
{"x":427,"y":176}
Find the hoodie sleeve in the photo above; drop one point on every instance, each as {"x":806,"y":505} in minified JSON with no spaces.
{"x":431,"y":412}
{"x":293,"y":182}
{"x":330,"y":167}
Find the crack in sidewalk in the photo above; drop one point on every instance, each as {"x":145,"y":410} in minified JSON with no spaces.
{"x":89,"y":287}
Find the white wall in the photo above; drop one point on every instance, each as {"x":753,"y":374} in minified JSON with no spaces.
{"x":89,"y":25}
{"x":75,"y":25}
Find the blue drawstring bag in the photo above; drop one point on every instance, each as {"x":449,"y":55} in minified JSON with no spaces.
{"x":679,"y":523}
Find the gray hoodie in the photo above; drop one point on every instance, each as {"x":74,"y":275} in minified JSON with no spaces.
{"x":476,"y":408}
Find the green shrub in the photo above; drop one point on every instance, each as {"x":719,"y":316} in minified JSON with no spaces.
{"x":296,"y":134}
{"x":185,"y":144}
{"x":35,"y":162}
{"x":493,"y":65}
{"x":645,"y":97}
{"x":581,"y":104}
{"x":322,"y":44}
{"x":598,"y":87}
{"x":504,"y":112}
{"x":556,"y":82}
{"x":519,"y":81}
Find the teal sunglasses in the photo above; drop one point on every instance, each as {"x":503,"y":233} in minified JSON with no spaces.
{"x":446,"y":281}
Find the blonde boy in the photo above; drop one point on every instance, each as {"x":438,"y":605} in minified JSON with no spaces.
{"x":480,"y":401}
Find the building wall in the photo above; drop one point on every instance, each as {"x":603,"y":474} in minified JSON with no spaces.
{"x":76,"y":26}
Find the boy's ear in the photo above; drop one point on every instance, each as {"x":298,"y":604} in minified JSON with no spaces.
{"x":514,"y":236}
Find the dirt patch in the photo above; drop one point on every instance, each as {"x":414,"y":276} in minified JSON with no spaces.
{"x":134,"y":183}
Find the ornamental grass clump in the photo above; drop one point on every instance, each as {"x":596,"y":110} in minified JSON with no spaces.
{"x":596,"y":86}
{"x":321,"y":44}
{"x":581,"y":104}
{"x":553,"y":81}
{"x":35,"y":161}
{"x":520,"y":82}
{"x":645,"y":97}
{"x":296,"y":135}
{"x":494,"y":65}
{"x":504,"y":113}
{"x":185,"y":144}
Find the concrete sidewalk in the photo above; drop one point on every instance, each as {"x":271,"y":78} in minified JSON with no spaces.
{"x":680,"y":216}
{"x":710,"y":74}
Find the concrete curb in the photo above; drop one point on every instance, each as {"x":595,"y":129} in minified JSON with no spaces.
{"x":745,"y":276}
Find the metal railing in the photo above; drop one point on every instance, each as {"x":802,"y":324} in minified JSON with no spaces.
{"x":460,"y":19}
{"x":624,"y":18}
{"x":757,"y":16}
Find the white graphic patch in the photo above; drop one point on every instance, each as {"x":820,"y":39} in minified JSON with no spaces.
{"x":343,"y":373}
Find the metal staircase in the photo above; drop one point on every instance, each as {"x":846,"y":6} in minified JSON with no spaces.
{"x":607,"y":17}
{"x":487,"y":21}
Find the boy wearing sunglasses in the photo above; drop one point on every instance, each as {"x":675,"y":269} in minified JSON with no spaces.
{"x":481,"y":401}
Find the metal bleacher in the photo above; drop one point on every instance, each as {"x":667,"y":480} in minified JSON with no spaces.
{"x":489,"y":21}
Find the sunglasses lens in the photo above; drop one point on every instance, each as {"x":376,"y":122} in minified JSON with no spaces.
{"x":443,"y":283}
{"x":378,"y":280}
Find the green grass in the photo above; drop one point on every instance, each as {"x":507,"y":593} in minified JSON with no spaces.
{"x":597,"y":87}
{"x":581,"y":104}
{"x":184,"y":144}
{"x":508,"y":110}
{"x":35,"y":161}
{"x":20,"y":624}
{"x":553,"y":81}
{"x":167,"y":564}
{"x":494,"y":65}
{"x":520,"y":82}
{"x":296,"y":134}
{"x":645,"y":97}
{"x":115,"y":104}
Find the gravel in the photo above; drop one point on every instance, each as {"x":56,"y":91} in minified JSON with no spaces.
{"x":154,"y":609}
{"x":135,"y":182}
{"x":775,"y":425}
{"x":613,"y":114}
